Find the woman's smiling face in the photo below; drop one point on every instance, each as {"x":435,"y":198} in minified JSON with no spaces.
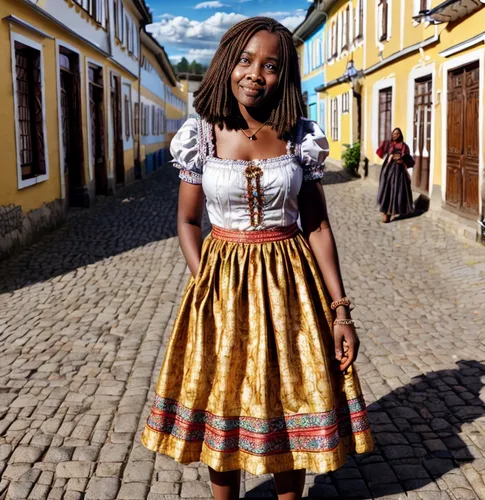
{"x":254,"y":80}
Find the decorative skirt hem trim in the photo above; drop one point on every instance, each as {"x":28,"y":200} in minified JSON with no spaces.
{"x":318,"y":462}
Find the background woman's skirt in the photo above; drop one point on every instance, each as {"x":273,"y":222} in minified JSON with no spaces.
{"x":249,"y":381}
{"x":395,"y":196}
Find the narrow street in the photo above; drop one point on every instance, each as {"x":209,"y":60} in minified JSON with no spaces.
{"x":85,"y":315}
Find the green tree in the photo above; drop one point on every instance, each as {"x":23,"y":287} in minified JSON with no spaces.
{"x":183,"y":66}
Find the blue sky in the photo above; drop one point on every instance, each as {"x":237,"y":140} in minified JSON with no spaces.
{"x":193,"y":28}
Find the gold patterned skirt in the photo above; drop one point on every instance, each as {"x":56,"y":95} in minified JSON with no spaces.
{"x":249,"y":379}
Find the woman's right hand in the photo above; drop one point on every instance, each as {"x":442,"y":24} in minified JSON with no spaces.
{"x":346,"y":345}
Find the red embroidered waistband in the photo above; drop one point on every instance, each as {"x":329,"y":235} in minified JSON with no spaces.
{"x":261,"y":236}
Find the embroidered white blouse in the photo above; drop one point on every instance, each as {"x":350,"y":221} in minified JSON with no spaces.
{"x":249,"y":195}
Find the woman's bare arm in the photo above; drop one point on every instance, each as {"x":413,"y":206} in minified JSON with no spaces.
{"x":189,"y":223}
{"x":317,"y":230}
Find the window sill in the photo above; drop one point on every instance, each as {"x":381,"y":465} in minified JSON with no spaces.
{"x":25,"y":183}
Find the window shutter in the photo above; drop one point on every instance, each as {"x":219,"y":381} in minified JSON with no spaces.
{"x":345,"y":29}
{"x":361,"y":17}
{"x":351,"y":23}
{"x":339,"y":33}
{"x":384,"y":20}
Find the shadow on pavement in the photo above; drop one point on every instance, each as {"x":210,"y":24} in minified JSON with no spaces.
{"x":340,"y":176}
{"x":417,"y":430}
{"x":141,"y":213}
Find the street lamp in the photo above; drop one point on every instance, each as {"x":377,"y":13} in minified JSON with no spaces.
{"x":352,"y":75}
{"x":351,"y":72}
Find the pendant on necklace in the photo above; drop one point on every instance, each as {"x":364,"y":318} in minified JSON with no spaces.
{"x":251,"y":137}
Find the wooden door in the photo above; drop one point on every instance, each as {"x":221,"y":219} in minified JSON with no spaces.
{"x":65,"y":78}
{"x":71,"y":127}
{"x":385,"y":114}
{"x":117,"y":129}
{"x":96,"y":116}
{"x":462,"y":162}
{"x":423,"y":107}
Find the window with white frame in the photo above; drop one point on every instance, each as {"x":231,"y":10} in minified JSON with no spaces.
{"x":334,"y":119}
{"x":154,"y":120}
{"x":321,"y":116}
{"x":383,"y":20}
{"x":127,"y":117}
{"x":420,"y":6}
{"x":313,"y":53}
{"x":345,"y":102}
{"x":385,"y":114}
{"x":136,"y":119}
{"x":96,"y":10}
{"x":346,"y":28}
{"x":339,"y":33}
{"x":128,"y":33}
{"x":145,"y":119}
{"x":29,"y":110}
{"x":119,"y":16}
{"x":359,"y":19}
{"x":334,"y":39}
{"x":160,"y":122}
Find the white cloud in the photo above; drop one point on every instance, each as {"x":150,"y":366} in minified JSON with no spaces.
{"x":202,"y":56}
{"x":289,"y":19}
{"x":291,"y":22}
{"x":275,"y":15}
{"x":210,"y":5}
{"x":188,"y":33}
{"x":198,"y":40}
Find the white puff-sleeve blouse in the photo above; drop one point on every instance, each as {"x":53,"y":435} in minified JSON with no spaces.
{"x":249,"y":195}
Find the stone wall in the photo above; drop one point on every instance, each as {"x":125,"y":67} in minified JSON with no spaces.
{"x":18,"y":228}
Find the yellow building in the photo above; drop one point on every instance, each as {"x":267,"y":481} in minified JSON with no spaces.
{"x":345,"y":50}
{"x":424,"y":72}
{"x":418,"y":65}
{"x":71,"y":79}
{"x":162,"y":106}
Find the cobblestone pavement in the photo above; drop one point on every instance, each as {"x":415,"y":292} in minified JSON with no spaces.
{"x":85,"y":315}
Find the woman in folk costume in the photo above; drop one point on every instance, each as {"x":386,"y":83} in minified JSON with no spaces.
{"x":395,"y":196}
{"x":258,"y":371}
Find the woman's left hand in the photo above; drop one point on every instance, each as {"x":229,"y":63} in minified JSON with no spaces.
{"x":346,"y":345}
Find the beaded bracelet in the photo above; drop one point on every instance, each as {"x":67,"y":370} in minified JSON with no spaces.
{"x":343,"y":322}
{"x":345,"y":301}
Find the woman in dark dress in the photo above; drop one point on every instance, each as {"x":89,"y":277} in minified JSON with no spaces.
{"x":395,"y":196}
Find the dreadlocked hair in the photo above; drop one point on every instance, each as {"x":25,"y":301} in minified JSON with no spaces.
{"x":214,"y":100}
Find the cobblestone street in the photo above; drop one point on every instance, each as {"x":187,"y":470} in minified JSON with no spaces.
{"x":85,"y":315}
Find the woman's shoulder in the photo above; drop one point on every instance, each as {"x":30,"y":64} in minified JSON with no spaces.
{"x":189,"y":127}
{"x":314,"y":149}
{"x":314,"y":144}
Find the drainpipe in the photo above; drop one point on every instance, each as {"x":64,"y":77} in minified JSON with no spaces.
{"x":138,"y":173}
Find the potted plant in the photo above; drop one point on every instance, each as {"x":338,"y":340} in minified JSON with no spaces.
{"x":351,"y":157}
